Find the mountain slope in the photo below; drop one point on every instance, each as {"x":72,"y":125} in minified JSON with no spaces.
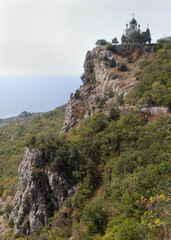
{"x":114,"y":166}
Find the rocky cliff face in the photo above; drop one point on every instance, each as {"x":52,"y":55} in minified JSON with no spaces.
{"x":39,"y":193}
{"x":104,"y":80}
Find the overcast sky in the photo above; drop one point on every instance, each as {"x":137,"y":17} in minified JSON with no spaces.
{"x":51,"y":37}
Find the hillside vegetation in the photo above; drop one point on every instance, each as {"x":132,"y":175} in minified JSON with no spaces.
{"x":15,"y":136}
{"x":121,"y":166}
{"x":118,"y":161}
{"x":123,"y":170}
{"x":154,"y":80}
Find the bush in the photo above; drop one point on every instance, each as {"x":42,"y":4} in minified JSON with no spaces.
{"x":32,"y":141}
{"x":100,"y":102}
{"x":95,"y":218}
{"x":85,"y":191}
{"x":112,"y":63}
{"x":82,"y":77}
{"x":110,"y":47}
{"x":8,"y":209}
{"x":120,"y":100}
{"x":128,"y":230}
{"x":110,"y":93}
{"x":101,"y":42}
{"x":60,"y":161}
{"x":11,"y":223}
{"x":98,"y":123}
{"x":77,"y":94}
{"x":122,"y":67}
{"x":114,"y":114}
{"x":142,"y":63}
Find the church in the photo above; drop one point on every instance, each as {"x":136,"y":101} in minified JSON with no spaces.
{"x":133,"y":34}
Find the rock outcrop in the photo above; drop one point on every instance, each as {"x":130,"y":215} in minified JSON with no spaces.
{"x":104,"y":80}
{"x":39,"y":193}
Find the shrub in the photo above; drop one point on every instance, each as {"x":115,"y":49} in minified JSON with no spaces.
{"x":159,"y":93}
{"x":114,"y":114}
{"x":60,"y":161}
{"x":112,"y":63}
{"x":11,"y":223}
{"x":128,"y":230}
{"x":98,"y":123}
{"x":32,"y":141}
{"x":101,"y":42}
{"x":122,"y":67}
{"x":8,"y":209}
{"x":120,"y":100}
{"x":110,"y":93}
{"x":95,"y":217}
{"x":110,"y":47}
{"x":100,"y":102}
{"x":82,"y":77}
{"x":142,"y":63}
{"x":77,"y":94}
{"x":85,"y":191}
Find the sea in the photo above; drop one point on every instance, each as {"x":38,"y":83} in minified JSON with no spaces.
{"x":34,"y":93}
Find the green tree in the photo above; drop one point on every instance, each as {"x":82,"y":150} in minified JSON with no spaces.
{"x":115,"y":40}
{"x":95,"y":217}
{"x":101,"y":42}
{"x":135,"y":37}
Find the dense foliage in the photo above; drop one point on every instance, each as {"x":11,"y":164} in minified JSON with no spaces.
{"x":154,"y":81}
{"x":121,"y":165}
{"x":123,"y":169}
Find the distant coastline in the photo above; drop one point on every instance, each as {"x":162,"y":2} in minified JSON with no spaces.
{"x":34,"y":94}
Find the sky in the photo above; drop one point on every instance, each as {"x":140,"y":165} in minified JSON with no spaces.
{"x":51,"y":37}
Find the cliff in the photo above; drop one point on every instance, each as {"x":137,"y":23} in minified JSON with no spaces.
{"x":40,"y":192}
{"x":107,"y":76}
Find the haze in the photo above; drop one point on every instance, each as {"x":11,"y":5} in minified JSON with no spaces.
{"x":51,"y":37}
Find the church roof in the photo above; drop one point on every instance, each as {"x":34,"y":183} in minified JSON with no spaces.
{"x":133,"y":21}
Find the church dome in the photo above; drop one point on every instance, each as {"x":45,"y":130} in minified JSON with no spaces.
{"x":133,"y":21}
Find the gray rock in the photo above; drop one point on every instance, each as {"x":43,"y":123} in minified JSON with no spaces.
{"x":98,"y":81}
{"x":39,"y":193}
{"x":155,"y":110}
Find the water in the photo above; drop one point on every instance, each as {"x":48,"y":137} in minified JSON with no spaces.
{"x":34,"y":94}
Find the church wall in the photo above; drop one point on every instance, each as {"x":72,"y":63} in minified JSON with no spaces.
{"x":129,"y":31}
